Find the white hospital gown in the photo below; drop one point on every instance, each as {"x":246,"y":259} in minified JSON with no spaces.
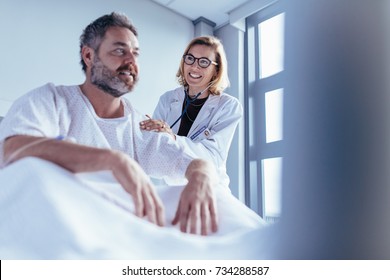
{"x":52,"y":111}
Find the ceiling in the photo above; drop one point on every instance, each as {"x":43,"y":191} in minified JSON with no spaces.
{"x":216,"y":11}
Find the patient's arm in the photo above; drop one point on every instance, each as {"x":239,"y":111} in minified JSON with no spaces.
{"x":78,"y":158}
{"x":197,"y":204}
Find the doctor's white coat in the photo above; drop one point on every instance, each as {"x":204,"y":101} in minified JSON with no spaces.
{"x":211,"y":133}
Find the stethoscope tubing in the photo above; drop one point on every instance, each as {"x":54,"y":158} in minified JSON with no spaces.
{"x":188,"y":102}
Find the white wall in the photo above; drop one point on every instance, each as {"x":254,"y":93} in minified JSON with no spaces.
{"x":233,"y":41}
{"x":40,"y":44}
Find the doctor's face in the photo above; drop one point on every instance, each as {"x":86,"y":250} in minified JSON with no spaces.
{"x":198,"y":78}
{"x":115,"y":69}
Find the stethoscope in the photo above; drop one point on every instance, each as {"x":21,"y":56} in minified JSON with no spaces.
{"x":189,"y":101}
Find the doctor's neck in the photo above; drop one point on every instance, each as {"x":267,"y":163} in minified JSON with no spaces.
{"x":194,"y":91}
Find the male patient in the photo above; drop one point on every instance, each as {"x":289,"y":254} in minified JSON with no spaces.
{"x":106,"y":131}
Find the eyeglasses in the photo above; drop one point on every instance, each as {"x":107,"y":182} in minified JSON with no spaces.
{"x":203,"y":62}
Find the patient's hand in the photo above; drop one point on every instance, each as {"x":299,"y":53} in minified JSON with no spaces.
{"x":197,"y":205}
{"x":135,"y":181}
{"x":79,"y":158}
{"x":156,"y":125}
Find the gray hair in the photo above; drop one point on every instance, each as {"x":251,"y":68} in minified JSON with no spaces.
{"x":94,"y":33}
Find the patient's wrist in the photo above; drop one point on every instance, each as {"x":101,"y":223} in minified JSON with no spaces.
{"x":201,"y":170}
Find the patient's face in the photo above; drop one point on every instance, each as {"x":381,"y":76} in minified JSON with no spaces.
{"x":115,"y":66}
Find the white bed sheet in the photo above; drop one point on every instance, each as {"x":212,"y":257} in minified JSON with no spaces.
{"x":47,"y":212}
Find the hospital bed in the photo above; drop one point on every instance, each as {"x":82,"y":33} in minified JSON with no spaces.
{"x":47,"y":212}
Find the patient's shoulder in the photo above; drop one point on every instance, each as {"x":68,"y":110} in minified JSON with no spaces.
{"x":46,"y":98}
{"x":51,"y":89}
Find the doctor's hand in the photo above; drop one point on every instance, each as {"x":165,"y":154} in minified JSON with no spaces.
{"x":197,"y":209}
{"x":157,"y":126}
{"x":135,"y":181}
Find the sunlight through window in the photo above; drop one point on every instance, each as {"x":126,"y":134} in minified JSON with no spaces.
{"x":274,"y":115}
{"x":272,"y":176}
{"x":271,"y":42}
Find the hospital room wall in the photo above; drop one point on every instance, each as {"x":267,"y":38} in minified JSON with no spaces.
{"x":40,"y":44}
{"x":233,"y":41}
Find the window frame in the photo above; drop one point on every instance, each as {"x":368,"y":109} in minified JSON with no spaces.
{"x":255,"y":128}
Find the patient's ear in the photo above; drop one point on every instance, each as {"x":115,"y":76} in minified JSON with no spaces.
{"x":87,"y":54}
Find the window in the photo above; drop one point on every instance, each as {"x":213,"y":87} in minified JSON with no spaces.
{"x":264,"y":111}
{"x":271,"y":35}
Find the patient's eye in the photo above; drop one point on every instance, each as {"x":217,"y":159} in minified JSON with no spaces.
{"x":119,"y":51}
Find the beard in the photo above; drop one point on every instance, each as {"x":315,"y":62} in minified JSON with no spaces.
{"x":110,"y":82}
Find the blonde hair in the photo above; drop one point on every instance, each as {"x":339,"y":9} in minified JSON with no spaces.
{"x":221,"y":80}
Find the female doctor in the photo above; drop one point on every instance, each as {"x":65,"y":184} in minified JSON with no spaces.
{"x":199,"y":114}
